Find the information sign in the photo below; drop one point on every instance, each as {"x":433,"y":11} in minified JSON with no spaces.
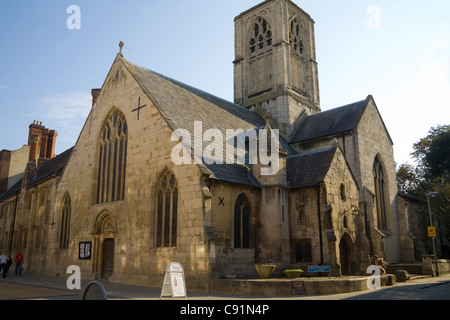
{"x":174,"y":285}
{"x":319,"y":268}
{"x":432,"y":232}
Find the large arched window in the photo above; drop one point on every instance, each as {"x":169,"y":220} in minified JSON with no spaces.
{"x":380,"y":193}
{"x":261,"y":37}
{"x":112,"y":158}
{"x":242,"y":223}
{"x":167,"y":211}
{"x":65,"y":223}
{"x":295,"y":37}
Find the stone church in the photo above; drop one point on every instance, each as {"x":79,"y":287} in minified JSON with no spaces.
{"x":119,"y":207}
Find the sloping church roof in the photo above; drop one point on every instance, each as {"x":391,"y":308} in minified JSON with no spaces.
{"x":46,"y":171}
{"x":50,"y":167}
{"x":181,"y":105}
{"x":308,"y":169}
{"x":333,"y":122}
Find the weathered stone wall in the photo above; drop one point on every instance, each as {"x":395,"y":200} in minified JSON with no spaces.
{"x":228,"y":259}
{"x":304,"y":220}
{"x":276,"y":79}
{"x":373,"y":141}
{"x":361,"y":147}
{"x":130,"y":222}
{"x":339,"y":215}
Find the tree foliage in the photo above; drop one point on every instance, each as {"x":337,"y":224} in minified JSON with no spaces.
{"x":423,"y":147}
{"x":437,"y":158}
{"x":431,"y":173}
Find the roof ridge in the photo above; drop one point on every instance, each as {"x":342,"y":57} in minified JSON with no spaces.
{"x":308,"y":153}
{"x":330,"y":122}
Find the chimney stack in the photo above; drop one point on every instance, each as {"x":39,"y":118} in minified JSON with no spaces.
{"x":42,"y":143}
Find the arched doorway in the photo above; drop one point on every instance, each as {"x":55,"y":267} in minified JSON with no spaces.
{"x":107,"y":259}
{"x":105,"y":231}
{"x":346,"y":254}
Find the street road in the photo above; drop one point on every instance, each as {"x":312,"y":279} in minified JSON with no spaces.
{"x":42,"y":288}
{"x":420,"y":289}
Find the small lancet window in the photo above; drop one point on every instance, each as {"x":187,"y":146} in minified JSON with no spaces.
{"x":380,"y":194}
{"x":343,"y":196}
{"x":242,"y":227}
{"x":65,"y":223}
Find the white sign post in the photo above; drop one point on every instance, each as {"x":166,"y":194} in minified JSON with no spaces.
{"x":174,"y":285}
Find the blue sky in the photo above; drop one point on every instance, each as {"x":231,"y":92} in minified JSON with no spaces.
{"x":396,"y":50}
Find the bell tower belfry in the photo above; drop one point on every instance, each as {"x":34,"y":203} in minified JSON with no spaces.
{"x":275,"y":64}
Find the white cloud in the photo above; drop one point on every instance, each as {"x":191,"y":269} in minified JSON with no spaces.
{"x":3,"y":86}
{"x":64,"y":108}
{"x":65,"y":113}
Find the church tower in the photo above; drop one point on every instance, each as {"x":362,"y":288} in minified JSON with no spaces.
{"x":275,"y":64}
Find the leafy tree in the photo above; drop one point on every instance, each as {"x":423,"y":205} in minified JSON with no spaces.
{"x":431,"y":173}
{"x":423,"y":146}
{"x":437,"y":158}
{"x":408,"y":178}
{"x":441,"y":203}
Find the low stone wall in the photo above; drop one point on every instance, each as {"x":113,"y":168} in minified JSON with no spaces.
{"x":296,"y":287}
{"x":444,"y":266}
{"x":429,"y":265}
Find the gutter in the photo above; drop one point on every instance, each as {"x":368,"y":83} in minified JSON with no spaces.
{"x":320,"y":223}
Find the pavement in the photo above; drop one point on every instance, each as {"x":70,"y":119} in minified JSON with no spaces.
{"x":33,"y":287}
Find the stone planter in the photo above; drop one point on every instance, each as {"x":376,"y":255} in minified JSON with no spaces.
{"x":292,"y":274}
{"x":265,"y":270}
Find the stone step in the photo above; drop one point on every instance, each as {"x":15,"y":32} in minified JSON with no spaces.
{"x":411,"y":268}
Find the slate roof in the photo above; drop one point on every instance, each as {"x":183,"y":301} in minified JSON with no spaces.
{"x":181,"y":105}
{"x":331,"y":122}
{"x":310,"y":168}
{"x":51,"y":167}
{"x":46,"y":171}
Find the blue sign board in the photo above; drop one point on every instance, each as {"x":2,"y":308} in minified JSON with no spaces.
{"x":319,"y":269}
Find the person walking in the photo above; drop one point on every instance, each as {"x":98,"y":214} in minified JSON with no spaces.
{"x":19,"y":263}
{"x":8,"y":265}
{"x":4,"y":263}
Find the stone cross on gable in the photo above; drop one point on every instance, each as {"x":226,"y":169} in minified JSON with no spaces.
{"x":139,"y":107}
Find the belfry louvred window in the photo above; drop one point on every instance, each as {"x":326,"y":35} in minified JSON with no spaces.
{"x":261,"y":37}
{"x":295,"y":38}
{"x":112,"y":158}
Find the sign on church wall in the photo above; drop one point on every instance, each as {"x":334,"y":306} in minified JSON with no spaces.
{"x":85,"y":250}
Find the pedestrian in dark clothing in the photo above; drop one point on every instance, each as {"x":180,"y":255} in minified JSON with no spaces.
{"x":4,"y":263}
{"x":8,"y":265}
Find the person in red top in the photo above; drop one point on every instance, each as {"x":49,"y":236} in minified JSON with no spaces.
{"x":19,"y":263}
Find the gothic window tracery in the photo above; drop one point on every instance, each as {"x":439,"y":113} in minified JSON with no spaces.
{"x":167,"y":211}
{"x":295,"y":38}
{"x":261,"y":37}
{"x":112,"y":159}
